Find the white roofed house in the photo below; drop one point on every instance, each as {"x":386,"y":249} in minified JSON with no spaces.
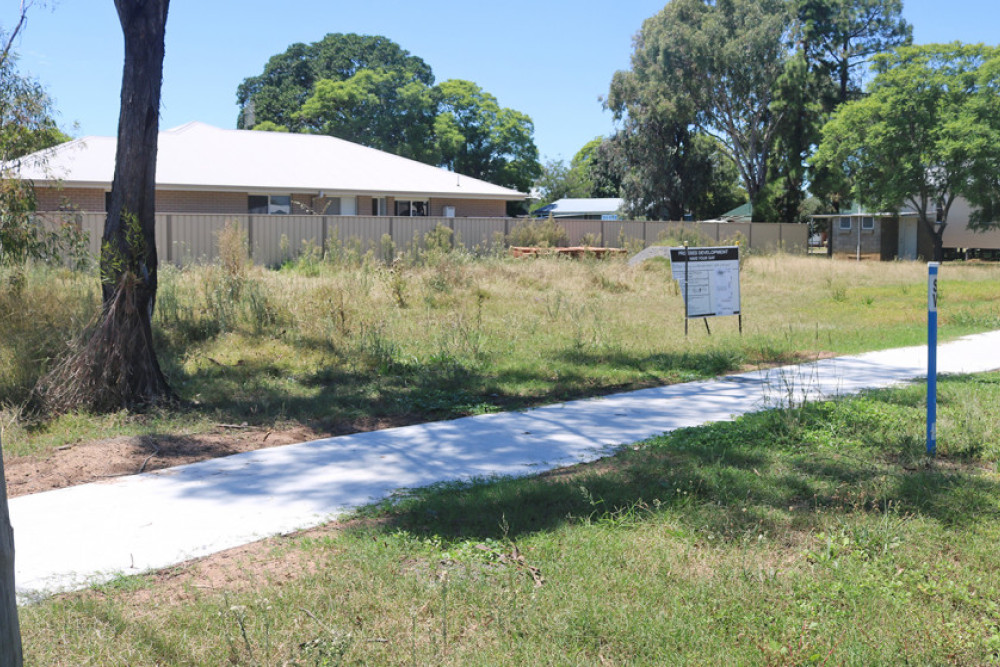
{"x":205,"y":169}
{"x":286,"y":189}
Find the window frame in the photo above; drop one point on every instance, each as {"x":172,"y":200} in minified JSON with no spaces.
{"x":425,"y":204}
{"x":273,"y":208}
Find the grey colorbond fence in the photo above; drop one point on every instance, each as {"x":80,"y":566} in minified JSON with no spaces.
{"x":183,"y":238}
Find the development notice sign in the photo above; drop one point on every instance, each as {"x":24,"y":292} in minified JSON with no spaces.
{"x":709,"y":279}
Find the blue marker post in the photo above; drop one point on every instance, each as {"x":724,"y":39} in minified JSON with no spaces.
{"x":932,"y":294}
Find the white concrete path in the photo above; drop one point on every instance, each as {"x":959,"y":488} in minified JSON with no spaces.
{"x":69,"y":538}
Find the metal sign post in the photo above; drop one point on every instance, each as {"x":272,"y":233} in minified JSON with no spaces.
{"x":686,"y":283}
{"x":932,"y":294}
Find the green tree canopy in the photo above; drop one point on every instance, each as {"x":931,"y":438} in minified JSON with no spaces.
{"x":576,"y":180}
{"x":707,"y":68}
{"x":925,"y":133}
{"x":288,"y":78}
{"x":479,"y":138}
{"x":838,"y":38}
{"x":384,"y":109}
{"x":367,"y":89}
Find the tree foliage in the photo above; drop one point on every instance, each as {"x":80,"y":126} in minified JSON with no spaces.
{"x":707,"y":68}
{"x":588,"y":174}
{"x":925,"y":133}
{"x":838,"y":38}
{"x":288,"y":78}
{"x":835,"y":41}
{"x":760,"y":76}
{"x":26,"y":126}
{"x":384,"y":109}
{"x":367,"y":89}
{"x":479,"y":138}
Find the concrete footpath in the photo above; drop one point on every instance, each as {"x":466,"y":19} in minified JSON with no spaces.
{"x":70,"y":538}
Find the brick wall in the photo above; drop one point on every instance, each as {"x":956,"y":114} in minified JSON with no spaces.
{"x":78,"y":199}
{"x":186,"y":201}
{"x":845,"y":241}
{"x":470,"y":208}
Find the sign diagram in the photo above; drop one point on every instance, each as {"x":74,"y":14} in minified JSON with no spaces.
{"x":709,"y":279}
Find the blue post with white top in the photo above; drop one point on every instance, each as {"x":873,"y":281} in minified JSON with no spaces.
{"x":932,"y":293}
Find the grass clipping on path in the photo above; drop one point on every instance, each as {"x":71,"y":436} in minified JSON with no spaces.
{"x":113,"y":366}
{"x":815,"y":534}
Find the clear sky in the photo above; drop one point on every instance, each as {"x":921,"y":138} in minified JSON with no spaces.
{"x":551,"y":59}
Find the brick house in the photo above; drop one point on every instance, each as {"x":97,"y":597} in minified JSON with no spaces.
{"x":205,"y":169}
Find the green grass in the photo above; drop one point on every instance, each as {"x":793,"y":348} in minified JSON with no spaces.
{"x":817,"y":534}
{"x":340,"y":345}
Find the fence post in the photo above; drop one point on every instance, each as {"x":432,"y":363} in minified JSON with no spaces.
{"x":250,"y":236}
{"x":169,"y":223}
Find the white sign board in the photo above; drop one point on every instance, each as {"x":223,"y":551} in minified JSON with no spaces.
{"x":709,"y":279}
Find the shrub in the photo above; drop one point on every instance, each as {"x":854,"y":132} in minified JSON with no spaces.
{"x":538,"y":233}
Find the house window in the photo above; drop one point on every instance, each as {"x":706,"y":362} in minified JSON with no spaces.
{"x":378,"y":206}
{"x":341,"y":206}
{"x":845,"y":224}
{"x":269,"y":204}
{"x":868,"y":224}
{"x":407,"y":207}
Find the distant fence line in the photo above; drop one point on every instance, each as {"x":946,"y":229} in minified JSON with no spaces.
{"x":183,"y":238}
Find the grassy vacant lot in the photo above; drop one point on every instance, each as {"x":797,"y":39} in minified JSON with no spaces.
{"x":344,"y":343}
{"x":810,"y":535}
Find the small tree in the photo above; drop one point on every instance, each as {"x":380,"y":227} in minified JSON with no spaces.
{"x":26,"y":126}
{"x":922,"y":136}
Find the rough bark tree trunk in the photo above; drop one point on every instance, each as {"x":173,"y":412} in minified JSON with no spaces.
{"x":10,"y":630}
{"x":128,"y":255}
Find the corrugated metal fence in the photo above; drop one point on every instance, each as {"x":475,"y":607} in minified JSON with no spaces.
{"x":184,"y":238}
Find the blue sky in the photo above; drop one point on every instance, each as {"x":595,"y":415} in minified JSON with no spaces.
{"x":551,"y":59}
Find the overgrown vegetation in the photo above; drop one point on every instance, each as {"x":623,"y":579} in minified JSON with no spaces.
{"x":811,"y":535}
{"x":340,"y":340}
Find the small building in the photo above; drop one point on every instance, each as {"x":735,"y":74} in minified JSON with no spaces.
{"x":860,"y":234}
{"x":205,"y":169}
{"x":602,"y":208}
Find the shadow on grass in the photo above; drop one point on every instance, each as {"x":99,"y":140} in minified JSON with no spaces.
{"x":334,"y":398}
{"x":725,"y":479}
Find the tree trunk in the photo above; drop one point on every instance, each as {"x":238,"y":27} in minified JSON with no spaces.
{"x":128,"y":256}
{"x":10,"y":630}
{"x":938,"y":238}
{"x":936,"y":231}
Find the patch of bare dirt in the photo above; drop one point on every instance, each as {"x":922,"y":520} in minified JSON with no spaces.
{"x":100,"y":460}
{"x":233,"y":571}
